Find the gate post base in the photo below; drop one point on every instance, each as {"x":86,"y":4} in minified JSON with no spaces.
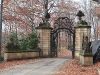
{"x":77,"y":54}
{"x":86,"y":59}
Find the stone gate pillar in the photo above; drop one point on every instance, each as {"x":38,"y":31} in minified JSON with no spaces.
{"x":44,"y":34}
{"x":80,"y":30}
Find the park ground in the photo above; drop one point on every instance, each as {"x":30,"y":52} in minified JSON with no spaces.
{"x":71,"y":67}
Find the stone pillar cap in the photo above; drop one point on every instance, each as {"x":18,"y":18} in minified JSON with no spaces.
{"x":82,"y":26}
{"x":43,"y":27}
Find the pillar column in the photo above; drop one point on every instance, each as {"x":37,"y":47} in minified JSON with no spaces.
{"x":80,"y":30}
{"x":44,"y":34}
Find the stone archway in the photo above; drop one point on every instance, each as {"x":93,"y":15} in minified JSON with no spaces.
{"x":48,"y":37}
{"x":66,"y":25}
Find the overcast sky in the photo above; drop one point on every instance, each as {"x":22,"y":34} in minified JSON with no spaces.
{"x":76,"y":0}
{"x":0,"y":1}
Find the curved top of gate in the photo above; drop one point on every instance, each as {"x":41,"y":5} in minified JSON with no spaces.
{"x":63,"y":23}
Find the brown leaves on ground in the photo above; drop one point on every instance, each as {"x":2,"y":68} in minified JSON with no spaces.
{"x":73,"y":67}
{"x":63,"y":53}
{"x":12,"y":63}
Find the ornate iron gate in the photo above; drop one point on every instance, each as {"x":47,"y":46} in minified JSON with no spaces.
{"x":66,"y":24}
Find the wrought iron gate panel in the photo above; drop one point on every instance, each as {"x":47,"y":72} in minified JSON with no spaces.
{"x":62,"y":23}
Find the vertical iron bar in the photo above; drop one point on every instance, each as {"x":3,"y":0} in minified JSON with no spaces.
{"x":69,"y":40}
{"x":73,"y":51}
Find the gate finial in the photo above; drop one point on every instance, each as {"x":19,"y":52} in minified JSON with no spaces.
{"x":80,"y":14}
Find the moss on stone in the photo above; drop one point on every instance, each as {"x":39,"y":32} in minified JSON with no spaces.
{"x":85,"y":54}
{"x":43,"y":27}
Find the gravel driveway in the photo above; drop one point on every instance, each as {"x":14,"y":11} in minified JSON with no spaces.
{"x":46,"y":66}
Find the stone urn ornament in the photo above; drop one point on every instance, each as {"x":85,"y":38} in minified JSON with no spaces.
{"x":46,"y":15}
{"x":80,"y":14}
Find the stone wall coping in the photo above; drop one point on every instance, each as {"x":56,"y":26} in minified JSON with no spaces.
{"x":21,"y":51}
{"x":43,"y":27}
{"x":82,"y":26}
{"x":86,"y":54}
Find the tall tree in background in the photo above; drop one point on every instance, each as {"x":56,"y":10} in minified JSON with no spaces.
{"x":1,"y":9}
{"x":91,"y":17}
{"x":25,"y":15}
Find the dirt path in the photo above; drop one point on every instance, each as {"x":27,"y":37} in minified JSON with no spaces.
{"x":41,"y":67}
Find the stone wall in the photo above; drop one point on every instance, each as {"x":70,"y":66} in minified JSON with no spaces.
{"x":19,"y":55}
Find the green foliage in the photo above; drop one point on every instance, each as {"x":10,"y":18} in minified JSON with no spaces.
{"x":12,"y":44}
{"x":32,"y":43}
{"x":32,"y":40}
{"x":29,"y":43}
{"x":12,"y":47}
{"x":23,"y":44}
{"x":32,"y":35}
